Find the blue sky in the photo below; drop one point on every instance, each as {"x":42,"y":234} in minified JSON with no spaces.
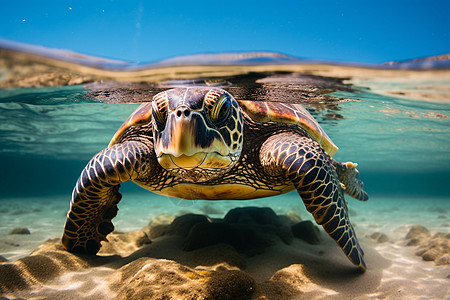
{"x":145,"y":31}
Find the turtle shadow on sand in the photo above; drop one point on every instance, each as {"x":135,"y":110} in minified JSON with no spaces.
{"x":250,"y":253}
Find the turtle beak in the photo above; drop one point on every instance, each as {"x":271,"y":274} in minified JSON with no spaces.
{"x":186,"y":135}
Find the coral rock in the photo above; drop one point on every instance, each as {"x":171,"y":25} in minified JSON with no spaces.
{"x":20,"y":230}
{"x":253,"y":215}
{"x":432,"y":246}
{"x":248,"y":230}
{"x":379,"y":237}
{"x":306,"y":231}
{"x":183,"y":224}
{"x":416,"y":231}
{"x":443,"y":260}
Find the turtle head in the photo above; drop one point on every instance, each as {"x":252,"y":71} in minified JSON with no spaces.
{"x":198,"y":132}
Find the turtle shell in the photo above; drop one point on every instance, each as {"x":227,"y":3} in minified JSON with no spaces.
{"x":141,"y":116}
{"x":289,"y":113}
{"x":257,"y":111}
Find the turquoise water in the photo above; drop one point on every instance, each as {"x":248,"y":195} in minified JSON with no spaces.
{"x":48,"y":134}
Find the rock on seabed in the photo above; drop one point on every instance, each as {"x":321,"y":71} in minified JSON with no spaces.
{"x":431,"y":246}
{"x":208,"y":265}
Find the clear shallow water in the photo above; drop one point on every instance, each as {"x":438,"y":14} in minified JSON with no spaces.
{"x":402,"y":146}
{"x":48,"y":134}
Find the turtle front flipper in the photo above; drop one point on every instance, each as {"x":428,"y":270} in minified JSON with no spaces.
{"x":96,"y":195}
{"x":303,"y":162}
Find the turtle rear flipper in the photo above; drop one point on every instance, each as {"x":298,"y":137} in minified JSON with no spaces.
{"x":96,"y":195}
{"x":310,"y":169}
{"x":348,"y":176}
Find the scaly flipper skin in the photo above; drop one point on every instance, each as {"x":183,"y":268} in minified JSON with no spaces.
{"x":96,"y":195}
{"x":303,"y":162}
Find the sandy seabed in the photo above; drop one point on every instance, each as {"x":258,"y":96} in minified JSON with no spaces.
{"x":160,"y":250}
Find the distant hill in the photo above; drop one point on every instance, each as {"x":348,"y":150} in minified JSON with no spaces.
{"x":440,"y":57}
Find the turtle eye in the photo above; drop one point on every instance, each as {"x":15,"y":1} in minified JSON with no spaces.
{"x":160,"y":116}
{"x":221,"y":111}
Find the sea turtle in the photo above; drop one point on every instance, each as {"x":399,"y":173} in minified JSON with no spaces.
{"x":201,"y":143}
